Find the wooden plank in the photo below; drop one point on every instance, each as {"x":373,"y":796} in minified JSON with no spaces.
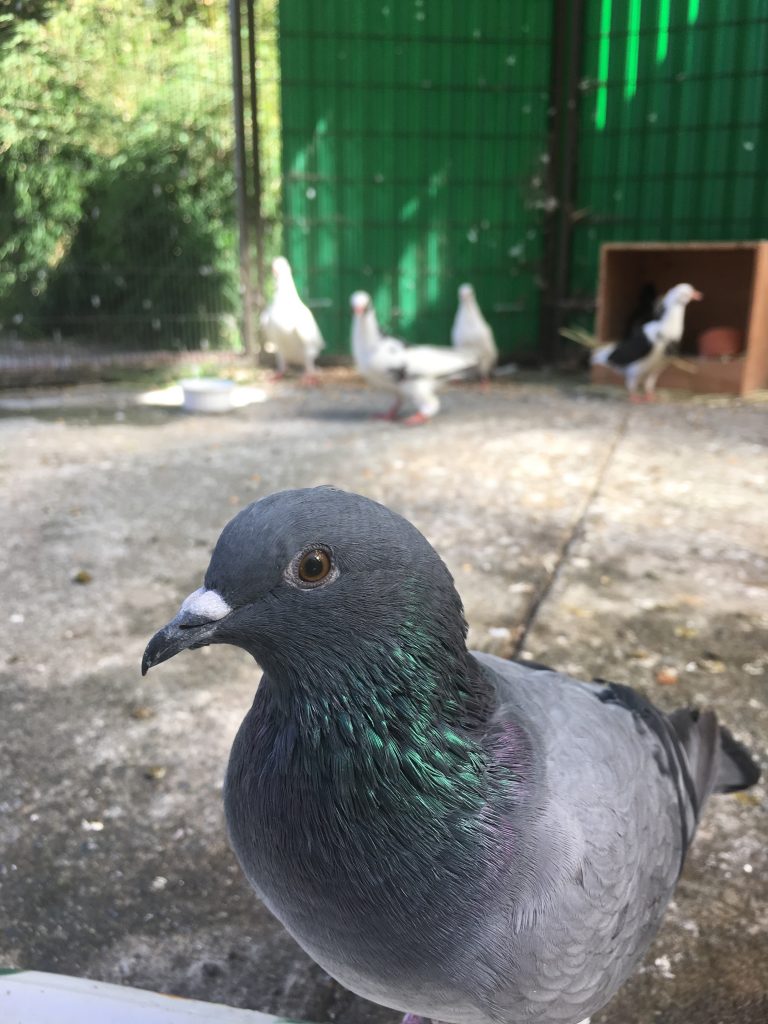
{"x":756,"y":367}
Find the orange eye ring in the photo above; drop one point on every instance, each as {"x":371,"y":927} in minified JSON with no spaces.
{"x":314,"y":566}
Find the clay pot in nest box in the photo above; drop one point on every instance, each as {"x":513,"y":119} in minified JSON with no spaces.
{"x":720,"y":342}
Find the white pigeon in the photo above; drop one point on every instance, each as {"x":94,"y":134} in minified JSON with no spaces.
{"x":414,"y":373}
{"x":650,"y":347}
{"x":290,"y":327}
{"x":471,"y":332}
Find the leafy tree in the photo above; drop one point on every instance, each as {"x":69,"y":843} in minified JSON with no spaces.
{"x":14,"y":12}
{"x":176,"y":12}
{"x":116,"y":184}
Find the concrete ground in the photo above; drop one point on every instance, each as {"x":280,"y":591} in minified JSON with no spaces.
{"x":628,"y":543}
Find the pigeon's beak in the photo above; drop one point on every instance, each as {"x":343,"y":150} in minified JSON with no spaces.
{"x":194,"y":626}
{"x":697,"y":296}
{"x":359,"y":301}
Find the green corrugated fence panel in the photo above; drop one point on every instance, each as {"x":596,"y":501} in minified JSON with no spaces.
{"x":414,"y":158}
{"x":674,"y":127}
{"x":414,"y":147}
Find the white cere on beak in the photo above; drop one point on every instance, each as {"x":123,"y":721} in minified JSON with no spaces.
{"x":208,"y":604}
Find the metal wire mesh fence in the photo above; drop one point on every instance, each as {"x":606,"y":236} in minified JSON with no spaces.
{"x":672,"y":126}
{"x":426,"y":143}
{"x":116,"y":185}
{"x":402,"y":147}
{"x":415,"y":158}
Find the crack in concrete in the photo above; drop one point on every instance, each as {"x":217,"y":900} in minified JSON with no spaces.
{"x":540,"y":596}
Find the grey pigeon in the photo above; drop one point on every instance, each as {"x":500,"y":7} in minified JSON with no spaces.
{"x":457,"y":836}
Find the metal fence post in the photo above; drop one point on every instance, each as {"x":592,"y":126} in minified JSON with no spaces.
{"x":246,"y":287}
{"x":256,"y":175}
{"x":568,"y":16}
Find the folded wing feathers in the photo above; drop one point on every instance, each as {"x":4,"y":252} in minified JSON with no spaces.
{"x":471,"y":332}
{"x":433,"y":361}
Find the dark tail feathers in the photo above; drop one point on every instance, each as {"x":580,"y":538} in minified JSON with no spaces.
{"x":737,"y":769}
{"x":717,"y":762}
{"x":701,"y":756}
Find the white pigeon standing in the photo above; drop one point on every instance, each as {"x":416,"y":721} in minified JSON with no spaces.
{"x":650,"y":347}
{"x":415,"y":373}
{"x":290,"y":326}
{"x":471,"y":332}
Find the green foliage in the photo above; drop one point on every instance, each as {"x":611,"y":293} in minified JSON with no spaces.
{"x":170,"y":205}
{"x":268,"y":79}
{"x":176,"y":12}
{"x":116,"y":183}
{"x":15,"y":12}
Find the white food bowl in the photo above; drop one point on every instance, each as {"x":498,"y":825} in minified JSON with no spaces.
{"x":207,"y":394}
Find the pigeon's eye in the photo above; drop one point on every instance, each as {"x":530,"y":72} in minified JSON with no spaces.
{"x":314,"y":566}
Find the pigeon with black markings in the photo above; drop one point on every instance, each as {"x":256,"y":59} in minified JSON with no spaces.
{"x":414,"y":373}
{"x":460,"y":837}
{"x":472,"y":333}
{"x":290,"y":327}
{"x":649,"y":347}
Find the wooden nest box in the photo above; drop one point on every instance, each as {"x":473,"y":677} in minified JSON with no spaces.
{"x":733,"y":277}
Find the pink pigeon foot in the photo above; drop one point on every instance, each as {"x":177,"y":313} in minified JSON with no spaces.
{"x":390,"y":414}
{"x":310,"y":380}
{"x":415,"y":421}
{"x":638,"y":399}
{"x":277,"y":375}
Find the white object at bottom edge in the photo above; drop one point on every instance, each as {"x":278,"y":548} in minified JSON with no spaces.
{"x":36,"y":997}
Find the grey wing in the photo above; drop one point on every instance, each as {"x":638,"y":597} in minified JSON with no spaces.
{"x":591,"y":726}
{"x":604,"y":847}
